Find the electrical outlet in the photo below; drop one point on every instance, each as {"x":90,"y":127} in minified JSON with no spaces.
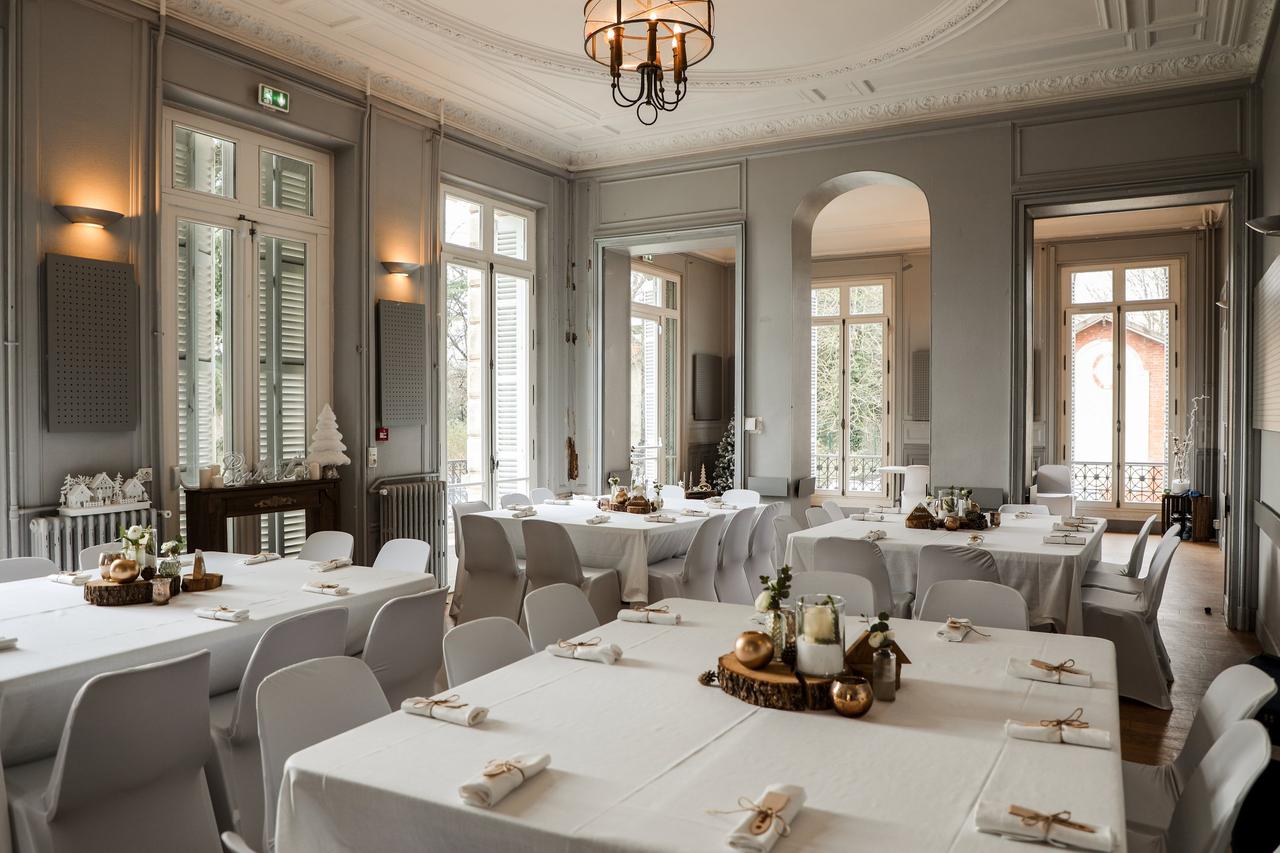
{"x":371,"y":458}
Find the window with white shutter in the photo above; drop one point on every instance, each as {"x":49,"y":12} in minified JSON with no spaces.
{"x":655,"y":392}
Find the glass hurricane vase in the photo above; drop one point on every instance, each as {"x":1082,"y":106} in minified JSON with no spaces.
{"x":820,"y":634}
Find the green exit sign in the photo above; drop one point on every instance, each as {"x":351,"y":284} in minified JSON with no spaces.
{"x":273,"y":98}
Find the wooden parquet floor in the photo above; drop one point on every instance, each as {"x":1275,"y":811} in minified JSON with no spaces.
{"x":1200,"y":646}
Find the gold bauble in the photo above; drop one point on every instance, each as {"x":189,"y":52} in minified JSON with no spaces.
{"x":124,"y":571}
{"x":753,"y":649}
{"x":851,"y":695}
{"x":952,"y":522}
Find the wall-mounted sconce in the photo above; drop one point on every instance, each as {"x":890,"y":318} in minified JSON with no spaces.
{"x":92,"y":216}
{"x":401,"y":267}
{"x":1267,"y":226}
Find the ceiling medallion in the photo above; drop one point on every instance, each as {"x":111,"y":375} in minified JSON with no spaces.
{"x":649,"y":38}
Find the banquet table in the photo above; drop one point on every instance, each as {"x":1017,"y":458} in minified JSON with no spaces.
{"x":625,"y":542}
{"x":1048,"y":576}
{"x":640,"y":751}
{"x":63,"y":640}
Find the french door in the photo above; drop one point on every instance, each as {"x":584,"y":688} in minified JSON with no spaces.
{"x":1119,"y":365}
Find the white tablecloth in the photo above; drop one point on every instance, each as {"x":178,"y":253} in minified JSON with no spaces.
{"x":626,"y":542}
{"x":63,"y":640}
{"x":640,"y":751}
{"x":1048,"y":576}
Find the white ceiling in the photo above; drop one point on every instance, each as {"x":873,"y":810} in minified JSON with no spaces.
{"x":514,"y":72}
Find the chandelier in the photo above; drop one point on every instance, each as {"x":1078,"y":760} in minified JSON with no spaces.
{"x":650,"y":38}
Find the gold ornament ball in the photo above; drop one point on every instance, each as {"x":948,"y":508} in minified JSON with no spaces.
{"x":124,"y":571}
{"x":952,"y":522}
{"x":753,"y":649}
{"x":851,"y":695}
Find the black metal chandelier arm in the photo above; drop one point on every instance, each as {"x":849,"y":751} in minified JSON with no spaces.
{"x":621,"y":99}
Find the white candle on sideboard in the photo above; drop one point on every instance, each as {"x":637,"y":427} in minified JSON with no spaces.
{"x":206,"y":476}
{"x":313,"y":469}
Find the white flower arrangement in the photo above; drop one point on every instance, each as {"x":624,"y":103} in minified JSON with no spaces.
{"x":880,"y":635}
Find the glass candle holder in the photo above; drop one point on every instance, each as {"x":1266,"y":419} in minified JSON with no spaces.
{"x":820,"y":635}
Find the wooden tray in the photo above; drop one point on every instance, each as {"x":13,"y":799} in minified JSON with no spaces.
{"x":775,"y":686}
{"x":211,"y":580}
{"x":112,"y":594}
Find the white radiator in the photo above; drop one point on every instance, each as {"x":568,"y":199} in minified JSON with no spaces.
{"x":62,"y":538}
{"x":415,"y":510}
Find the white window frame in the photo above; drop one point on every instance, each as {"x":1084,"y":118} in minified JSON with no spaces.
{"x":491,"y":264}
{"x":313,"y":230}
{"x":843,"y":319}
{"x":1117,"y":306}
{"x":660,"y":314}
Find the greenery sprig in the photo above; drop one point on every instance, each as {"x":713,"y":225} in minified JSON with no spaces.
{"x":776,"y":590}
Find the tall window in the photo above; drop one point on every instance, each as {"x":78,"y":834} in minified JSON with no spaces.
{"x":1119,"y":330}
{"x":246,"y":304}
{"x":849,"y":432}
{"x":488,"y":268}
{"x":655,"y":356}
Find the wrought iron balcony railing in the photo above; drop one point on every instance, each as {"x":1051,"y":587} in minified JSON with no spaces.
{"x":863,"y":474}
{"x":1143,"y":482}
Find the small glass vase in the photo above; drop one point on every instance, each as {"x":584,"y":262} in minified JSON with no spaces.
{"x":820,"y":635}
{"x":170,"y":567}
{"x":884,"y":675}
{"x":775,"y":624}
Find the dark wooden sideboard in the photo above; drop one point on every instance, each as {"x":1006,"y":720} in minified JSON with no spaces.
{"x":209,"y":509}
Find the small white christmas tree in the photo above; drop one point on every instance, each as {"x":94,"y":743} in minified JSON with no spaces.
{"x":326,"y":443}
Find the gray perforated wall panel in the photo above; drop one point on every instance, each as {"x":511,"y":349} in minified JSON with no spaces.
{"x":402,"y":363}
{"x":91,"y":345}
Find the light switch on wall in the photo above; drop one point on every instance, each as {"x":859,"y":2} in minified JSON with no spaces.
{"x":371,"y":458}
{"x":753,"y":424}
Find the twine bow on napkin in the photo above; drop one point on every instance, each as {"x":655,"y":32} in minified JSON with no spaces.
{"x":580,"y":644}
{"x":497,"y":768}
{"x":430,"y":705}
{"x":1058,"y":668}
{"x":222,"y":608}
{"x":640,"y":608}
{"x":767,"y":813}
{"x":958,"y":624}
{"x":1031,"y":817}
{"x":1073,"y":721}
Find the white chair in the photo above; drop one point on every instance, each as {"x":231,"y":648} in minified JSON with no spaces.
{"x":558,"y":612}
{"x":1207,"y":808}
{"x":461,"y":509}
{"x":671,"y":492}
{"x":306,"y":703}
{"x":1052,"y":489}
{"x":741,"y":497}
{"x":1123,"y":577}
{"x":1151,"y":791}
{"x":25,"y":568}
{"x":860,"y":557}
{"x":236,"y":768}
{"x":541,"y":495}
{"x":915,"y":487}
{"x":694,"y":574}
{"x":404,"y":647}
{"x":495,"y":584}
{"x":783,"y":526}
{"x":953,"y":563}
{"x":816,"y":516}
{"x":327,"y":545}
{"x":760,"y":544}
{"x":406,"y":555}
{"x":478,"y":648}
{"x":857,"y":591}
{"x":111,"y":762}
{"x":1129,"y":621}
{"x":989,"y":605}
{"x":551,"y":558}
{"x":88,"y":558}
{"x":1014,"y":509}
{"x":514,"y":499}
{"x":833,"y":510}
{"x":731,"y":581}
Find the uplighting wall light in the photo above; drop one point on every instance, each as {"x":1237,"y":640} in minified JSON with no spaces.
{"x":401,"y":267}
{"x":94,"y":217}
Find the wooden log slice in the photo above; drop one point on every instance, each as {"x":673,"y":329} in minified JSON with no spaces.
{"x":774,"y":686}
{"x":211,"y":580}
{"x":112,"y":594}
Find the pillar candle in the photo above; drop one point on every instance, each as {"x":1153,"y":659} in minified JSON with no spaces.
{"x":206,"y":476}
{"x":216,"y":481}
{"x":313,"y":468}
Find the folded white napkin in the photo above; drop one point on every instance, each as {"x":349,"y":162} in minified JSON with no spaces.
{"x":7,"y":643}
{"x":1068,"y":527}
{"x":1065,"y":672}
{"x":524,"y":512}
{"x":591,"y":498}
{"x":759,"y":829}
{"x":73,"y":578}
{"x":956,"y":629}
{"x":696,"y":513}
{"x":330,"y":565}
{"x":556,"y":502}
{"x":261,"y":557}
{"x":656,"y":617}
{"x":325,"y":588}
{"x":222,"y":614}
{"x":1030,"y":825}
{"x":598,"y":519}
{"x":500,"y":778}
{"x":867,"y":516}
{"x":448,"y":708}
{"x":1072,"y":729}
{"x":875,"y":535}
{"x":1064,"y":539}
{"x":1023,"y":515}
{"x":661,"y":518}
{"x":1080,"y":519}
{"x":588,"y":650}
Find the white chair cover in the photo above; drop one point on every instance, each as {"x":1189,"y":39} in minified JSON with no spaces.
{"x":460,"y":510}
{"x":327,"y":545}
{"x":858,"y":592}
{"x":540,"y":494}
{"x":954,"y":563}
{"x":690,"y":576}
{"x":236,"y":783}
{"x":303,"y":704}
{"x":741,"y":497}
{"x":1123,"y":577}
{"x":783,"y":526}
{"x":816,"y":516}
{"x":1034,"y":509}
{"x":833,"y":509}
{"x":514,"y":499}
{"x":551,"y":558}
{"x":671,"y":492}
{"x":915,"y":486}
{"x":405,"y":645}
{"x":495,"y":584}
{"x":88,"y":558}
{"x":25,"y":568}
{"x":133,"y":738}
{"x":557,"y":612}
{"x":731,"y":582}
{"x":1053,"y":490}
{"x":989,"y":605}
{"x":860,"y":557}
{"x":478,"y":648}
{"x":406,"y":555}
{"x":760,"y":546}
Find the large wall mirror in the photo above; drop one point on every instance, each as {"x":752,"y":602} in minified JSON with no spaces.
{"x":669,"y":375}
